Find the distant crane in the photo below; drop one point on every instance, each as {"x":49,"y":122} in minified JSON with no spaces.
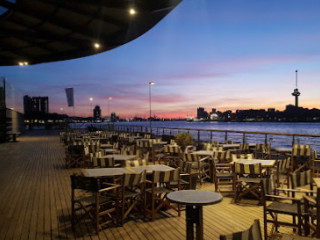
{"x":296,"y":92}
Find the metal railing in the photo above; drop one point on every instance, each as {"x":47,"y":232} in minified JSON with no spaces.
{"x":276,"y":139}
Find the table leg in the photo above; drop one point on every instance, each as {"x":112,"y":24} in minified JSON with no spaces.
{"x":189,"y":222}
{"x":199,"y":223}
{"x":194,"y":216}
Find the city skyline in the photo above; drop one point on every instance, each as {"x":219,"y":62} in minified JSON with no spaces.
{"x":223,"y":55}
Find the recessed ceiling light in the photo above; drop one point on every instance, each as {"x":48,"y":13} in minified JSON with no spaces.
{"x":132,"y":11}
{"x":96,"y":45}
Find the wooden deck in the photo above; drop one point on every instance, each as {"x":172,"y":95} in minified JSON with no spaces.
{"x":35,"y":200}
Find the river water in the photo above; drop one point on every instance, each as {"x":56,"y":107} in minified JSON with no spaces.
{"x":275,"y":140}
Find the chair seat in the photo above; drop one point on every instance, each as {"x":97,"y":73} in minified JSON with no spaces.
{"x":131,"y":194}
{"x":225,"y":175}
{"x":285,"y":208}
{"x":202,"y":165}
{"x":175,"y":183}
{"x":90,"y":199}
{"x":250,"y":180}
{"x":159,"y":190}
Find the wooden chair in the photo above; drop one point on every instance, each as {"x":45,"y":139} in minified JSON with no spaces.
{"x":281,"y":206}
{"x":223,"y":175}
{"x":199,"y":165}
{"x":75,"y":156}
{"x":262,"y":151}
{"x":253,"y":233}
{"x":283,"y":172}
{"x":132,"y":193}
{"x":93,"y":201}
{"x":222,"y":156}
{"x":247,"y":180}
{"x":300,"y":180}
{"x":188,"y":180}
{"x":160,"y":187}
{"x":312,"y":210}
{"x":301,"y":156}
{"x":173,"y":155}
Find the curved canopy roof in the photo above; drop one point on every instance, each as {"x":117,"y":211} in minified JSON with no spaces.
{"x":37,"y":31}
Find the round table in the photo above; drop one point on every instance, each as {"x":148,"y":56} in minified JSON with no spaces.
{"x":194,"y":200}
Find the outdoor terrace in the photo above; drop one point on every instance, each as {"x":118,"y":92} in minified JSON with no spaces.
{"x":35,"y":200}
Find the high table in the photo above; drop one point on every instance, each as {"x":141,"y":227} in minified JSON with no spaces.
{"x":194,"y":200}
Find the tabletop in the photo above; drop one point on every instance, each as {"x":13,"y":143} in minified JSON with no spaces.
{"x":110,"y":172}
{"x":283,"y":150}
{"x":160,"y":143}
{"x":264,"y":163}
{"x":203,"y":153}
{"x":194,"y":197}
{"x":104,"y":172}
{"x":119,"y":157}
{"x":151,"y":168}
{"x":105,"y":145}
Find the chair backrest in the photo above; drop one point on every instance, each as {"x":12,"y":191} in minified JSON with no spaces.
{"x":299,"y":179}
{"x":189,"y":157}
{"x":244,"y":147}
{"x":128,"y":150}
{"x":269,"y":184}
{"x":133,"y":179}
{"x":138,"y":162}
{"x":284,"y":165}
{"x":247,"y":156}
{"x":172,"y":149}
{"x":84,"y":183}
{"x":185,"y":167}
{"x":222,"y":156}
{"x":207,"y":146}
{"x":253,"y":233}
{"x":245,"y":168}
{"x":147,"y":136}
{"x":103,"y":162}
{"x":301,"y":151}
{"x":165,"y":176}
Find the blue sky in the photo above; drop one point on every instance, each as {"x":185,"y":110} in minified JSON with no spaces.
{"x":232,"y":54}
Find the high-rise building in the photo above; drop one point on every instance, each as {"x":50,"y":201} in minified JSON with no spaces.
{"x":35,"y":106}
{"x":201,"y":113}
{"x":97,"y":112}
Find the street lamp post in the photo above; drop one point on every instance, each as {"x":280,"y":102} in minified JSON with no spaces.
{"x":90,"y":99}
{"x":109,"y":100}
{"x":150,"y":84}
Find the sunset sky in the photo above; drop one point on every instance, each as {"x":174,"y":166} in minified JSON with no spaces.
{"x":231,"y":54}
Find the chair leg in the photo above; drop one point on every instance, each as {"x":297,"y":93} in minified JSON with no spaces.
{"x":265,"y":226}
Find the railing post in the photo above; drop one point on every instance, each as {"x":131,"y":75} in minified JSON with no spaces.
{"x":266,"y":139}
{"x":244,"y":138}
{"x":226,"y":137}
{"x":210,"y":136}
{"x":292,"y":141}
{"x":198,"y":137}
